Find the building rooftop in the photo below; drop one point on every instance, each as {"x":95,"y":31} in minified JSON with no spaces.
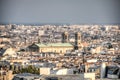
{"x":54,"y":45}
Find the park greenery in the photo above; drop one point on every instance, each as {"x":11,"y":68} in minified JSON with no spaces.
{"x":29,"y":69}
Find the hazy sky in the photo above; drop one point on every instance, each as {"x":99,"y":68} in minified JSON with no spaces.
{"x":60,"y":11}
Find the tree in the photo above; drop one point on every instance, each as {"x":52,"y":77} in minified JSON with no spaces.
{"x":29,"y":69}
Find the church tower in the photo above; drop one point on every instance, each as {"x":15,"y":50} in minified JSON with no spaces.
{"x":64,"y":37}
{"x":77,"y":40}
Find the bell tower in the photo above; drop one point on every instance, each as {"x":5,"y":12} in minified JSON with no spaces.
{"x":77,"y":40}
{"x":64,"y":37}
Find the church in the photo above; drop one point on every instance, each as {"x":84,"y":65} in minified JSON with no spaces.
{"x":60,"y":48}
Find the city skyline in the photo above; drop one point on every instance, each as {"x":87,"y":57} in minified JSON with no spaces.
{"x":59,"y":11}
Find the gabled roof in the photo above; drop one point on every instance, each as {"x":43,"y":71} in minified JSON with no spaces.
{"x":2,"y":51}
{"x":8,"y":51}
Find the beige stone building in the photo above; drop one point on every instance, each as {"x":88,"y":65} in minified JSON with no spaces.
{"x":61,"y":48}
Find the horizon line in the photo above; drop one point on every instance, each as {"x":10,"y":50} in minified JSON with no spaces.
{"x":60,"y":23}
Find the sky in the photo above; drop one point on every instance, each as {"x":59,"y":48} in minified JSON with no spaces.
{"x":60,"y":11}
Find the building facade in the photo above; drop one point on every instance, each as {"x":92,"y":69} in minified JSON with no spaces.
{"x":61,"y":48}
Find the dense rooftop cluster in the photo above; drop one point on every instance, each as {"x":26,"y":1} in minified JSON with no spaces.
{"x":100,"y":44}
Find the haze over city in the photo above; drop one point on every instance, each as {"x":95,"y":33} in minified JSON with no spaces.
{"x":59,"y":40}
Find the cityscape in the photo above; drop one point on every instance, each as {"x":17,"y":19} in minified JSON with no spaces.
{"x":59,"y":39}
{"x":60,"y":52}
